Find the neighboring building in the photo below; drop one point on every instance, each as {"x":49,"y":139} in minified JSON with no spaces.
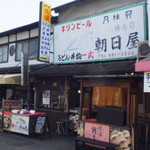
{"x":12,"y":43}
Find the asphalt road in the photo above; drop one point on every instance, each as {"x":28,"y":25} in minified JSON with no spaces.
{"x":15,"y":141}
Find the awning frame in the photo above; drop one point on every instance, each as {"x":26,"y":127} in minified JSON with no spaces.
{"x":10,"y":79}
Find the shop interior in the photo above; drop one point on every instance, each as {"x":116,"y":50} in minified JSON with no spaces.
{"x":116,"y":101}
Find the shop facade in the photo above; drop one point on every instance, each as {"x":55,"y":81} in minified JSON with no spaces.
{"x":57,"y":96}
{"x":95,"y":51}
{"x":99,"y":40}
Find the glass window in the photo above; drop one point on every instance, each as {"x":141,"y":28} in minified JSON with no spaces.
{"x":21,"y":47}
{"x":18,"y":51}
{"x":25,"y":47}
{"x":29,"y":47}
{"x":53,"y":99}
{"x":4,"y":53}
{"x":33,"y":47}
{"x":51,"y":94}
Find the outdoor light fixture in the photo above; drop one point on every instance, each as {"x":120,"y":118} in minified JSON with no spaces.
{"x":79,"y":91}
{"x":54,"y":83}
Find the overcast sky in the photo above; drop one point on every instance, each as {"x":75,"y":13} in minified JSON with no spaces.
{"x":16,"y":13}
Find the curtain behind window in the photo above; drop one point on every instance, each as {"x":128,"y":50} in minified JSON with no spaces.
{"x":28,"y":47}
{"x":4,"y":53}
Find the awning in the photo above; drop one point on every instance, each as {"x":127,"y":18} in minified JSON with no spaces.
{"x":143,"y":65}
{"x":10,"y":79}
{"x":100,"y":68}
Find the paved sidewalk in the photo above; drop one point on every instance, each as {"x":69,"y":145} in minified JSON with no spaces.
{"x":14,"y":141}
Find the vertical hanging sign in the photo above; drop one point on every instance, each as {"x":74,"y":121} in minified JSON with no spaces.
{"x":44,"y":32}
{"x":147,"y":82}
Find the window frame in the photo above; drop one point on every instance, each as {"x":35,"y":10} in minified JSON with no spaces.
{"x":28,"y":48}
{"x":7,"y":46}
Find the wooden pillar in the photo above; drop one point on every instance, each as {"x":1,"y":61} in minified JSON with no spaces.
{"x":128,"y":103}
{"x":81,"y":99}
{"x":66,"y":94}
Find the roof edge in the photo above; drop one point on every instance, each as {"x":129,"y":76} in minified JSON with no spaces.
{"x":56,"y":9}
{"x":25,"y":27}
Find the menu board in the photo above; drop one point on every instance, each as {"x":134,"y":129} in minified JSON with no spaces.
{"x":40,"y":123}
{"x":96,"y":131}
{"x":20,"y":124}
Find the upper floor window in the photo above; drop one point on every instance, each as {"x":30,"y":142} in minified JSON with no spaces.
{"x":29,"y":47}
{"x":3,"y":53}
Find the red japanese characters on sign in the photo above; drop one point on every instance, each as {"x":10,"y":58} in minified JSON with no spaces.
{"x":110,"y":36}
{"x":76,"y":26}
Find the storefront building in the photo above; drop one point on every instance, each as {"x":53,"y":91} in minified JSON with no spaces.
{"x":93,"y":69}
{"x":97,"y":44}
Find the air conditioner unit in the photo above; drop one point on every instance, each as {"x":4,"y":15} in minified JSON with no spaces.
{"x":143,"y":49}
